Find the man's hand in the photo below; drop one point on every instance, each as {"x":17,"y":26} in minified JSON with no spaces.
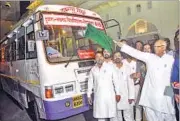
{"x":135,"y":76}
{"x":90,"y":101}
{"x":130,"y":101}
{"x":138,"y":75}
{"x":177,"y":98}
{"x":176,"y":85}
{"x":120,"y":44}
{"x":118,"y":98}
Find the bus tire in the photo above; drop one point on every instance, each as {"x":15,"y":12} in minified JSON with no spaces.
{"x":33,"y":112}
{"x":36,"y":112}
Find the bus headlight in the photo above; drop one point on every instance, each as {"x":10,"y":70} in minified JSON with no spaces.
{"x":63,"y":89}
{"x":69,"y":88}
{"x":59,"y":90}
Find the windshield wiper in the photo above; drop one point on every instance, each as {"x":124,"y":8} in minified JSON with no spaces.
{"x":74,"y":55}
{"x":69,"y":60}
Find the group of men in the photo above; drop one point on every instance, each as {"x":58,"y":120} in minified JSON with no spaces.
{"x":132,"y":80}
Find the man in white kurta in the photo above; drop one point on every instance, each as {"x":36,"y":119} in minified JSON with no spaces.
{"x":138,"y":82}
{"x":157,"y":103}
{"x":104,"y":82}
{"x":129,"y":61}
{"x":126,"y":88}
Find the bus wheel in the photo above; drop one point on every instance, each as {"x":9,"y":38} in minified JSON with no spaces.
{"x":33,"y":111}
{"x":36,"y":112}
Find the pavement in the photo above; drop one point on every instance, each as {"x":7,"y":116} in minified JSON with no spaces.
{"x":10,"y":111}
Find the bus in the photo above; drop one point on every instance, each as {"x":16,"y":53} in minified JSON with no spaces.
{"x":45,"y":60}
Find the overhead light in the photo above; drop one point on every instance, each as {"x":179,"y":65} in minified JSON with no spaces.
{"x":63,"y":32}
{"x":8,"y":4}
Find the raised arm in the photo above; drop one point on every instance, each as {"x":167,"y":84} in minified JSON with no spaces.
{"x":134,"y":52}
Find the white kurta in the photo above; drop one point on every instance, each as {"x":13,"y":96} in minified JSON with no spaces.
{"x":133,"y":66}
{"x":126,"y":87}
{"x":104,"y":81}
{"x":156,"y":80}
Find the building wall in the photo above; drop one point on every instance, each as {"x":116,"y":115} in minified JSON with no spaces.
{"x":11,"y":13}
{"x":8,"y":16}
{"x":5,"y":27}
{"x":163,"y":14}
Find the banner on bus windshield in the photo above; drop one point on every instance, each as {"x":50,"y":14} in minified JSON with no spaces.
{"x":52,"y":19}
{"x":86,"y":54}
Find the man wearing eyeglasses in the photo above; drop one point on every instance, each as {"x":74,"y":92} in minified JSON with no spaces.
{"x":157,"y":95}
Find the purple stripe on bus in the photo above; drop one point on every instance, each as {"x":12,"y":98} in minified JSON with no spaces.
{"x":58,"y":110}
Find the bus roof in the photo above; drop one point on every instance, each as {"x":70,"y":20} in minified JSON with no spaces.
{"x":55,"y":8}
{"x":67,"y":9}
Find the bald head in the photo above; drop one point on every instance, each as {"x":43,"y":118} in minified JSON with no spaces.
{"x":160,"y":47}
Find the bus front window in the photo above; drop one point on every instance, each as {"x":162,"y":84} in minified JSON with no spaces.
{"x":64,"y":41}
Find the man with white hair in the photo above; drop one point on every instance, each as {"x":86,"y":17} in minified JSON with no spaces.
{"x":156,"y":96}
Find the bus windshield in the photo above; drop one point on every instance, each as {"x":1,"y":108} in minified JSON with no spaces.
{"x":66,"y":41}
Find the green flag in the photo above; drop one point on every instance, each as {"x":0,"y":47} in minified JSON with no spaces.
{"x":99,"y":37}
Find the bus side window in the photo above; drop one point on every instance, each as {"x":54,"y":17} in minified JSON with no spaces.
{"x":13,"y":50}
{"x":21,"y":48}
{"x":21,"y":44}
{"x":2,"y":53}
{"x":7,"y":53}
{"x":31,"y":50}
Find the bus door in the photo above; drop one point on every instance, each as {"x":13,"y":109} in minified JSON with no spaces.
{"x":31,"y":56}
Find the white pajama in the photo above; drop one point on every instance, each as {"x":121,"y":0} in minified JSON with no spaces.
{"x":132,"y":89}
{"x":138,"y":113}
{"x":153,"y":115}
{"x":102,"y":119}
{"x":138,"y":108}
{"x":126,"y":113}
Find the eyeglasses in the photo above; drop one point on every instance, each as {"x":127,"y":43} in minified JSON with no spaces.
{"x":159,"y":46}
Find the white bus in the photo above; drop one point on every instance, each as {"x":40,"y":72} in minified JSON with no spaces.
{"x":45,"y":60}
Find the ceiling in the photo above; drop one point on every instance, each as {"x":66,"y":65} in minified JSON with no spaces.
{"x":87,"y":4}
{"x":12,"y":13}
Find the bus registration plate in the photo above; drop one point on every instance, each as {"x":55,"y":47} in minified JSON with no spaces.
{"x":77,"y":101}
